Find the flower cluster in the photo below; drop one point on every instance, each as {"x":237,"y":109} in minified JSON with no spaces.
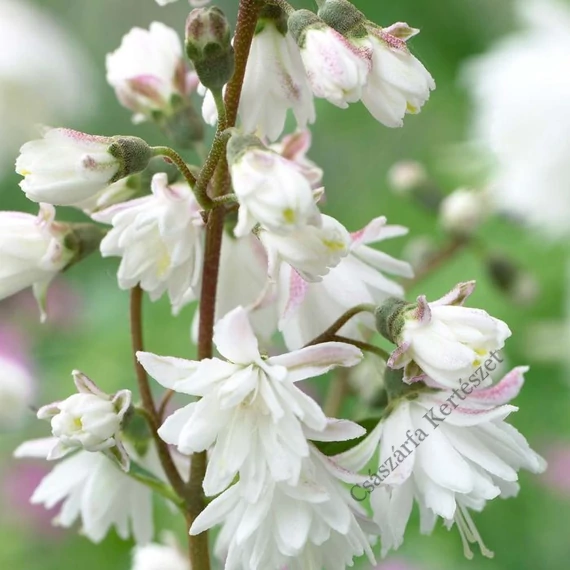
{"x":284,"y":293}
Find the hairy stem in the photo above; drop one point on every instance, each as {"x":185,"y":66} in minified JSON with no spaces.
{"x":340,"y":322}
{"x":364,"y":346}
{"x":216,"y":164}
{"x":146,"y":396}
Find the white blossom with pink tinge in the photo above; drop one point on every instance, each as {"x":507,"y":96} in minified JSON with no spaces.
{"x":460,"y":453}
{"x":32,"y":252}
{"x":308,"y":309}
{"x":313,"y":523}
{"x":94,"y":491}
{"x":250,"y":414}
{"x":160,"y":241}
{"x":148,"y":70}
{"x":445,"y":340}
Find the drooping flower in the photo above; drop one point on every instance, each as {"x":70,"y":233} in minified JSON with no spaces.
{"x":308,"y":309}
{"x":270,"y":189}
{"x":89,"y":420}
{"x":451,"y":451}
{"x":337,"y":69}
{"x":93,"y":490}
{"x":148,"y":71}
{"x":159,"y":238}
{"x":165,"y":556}
{"x":294,"y":147}
{"x":32,"y":252}
{"x":32,"y":91}
{"x":443,"y":339}
{"x":251,"y":414}
{"x":312,"y":524}
{"x":311,"y":250}
{"x":531,"y":172}
{"x":69,"y":168}
{"x":398,"y":83}
{"x":275,"y":80}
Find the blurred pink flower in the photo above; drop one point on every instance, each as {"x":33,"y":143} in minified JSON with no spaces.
{"x":18,"y":484}
{"x":557,"y":477}
{"x":395,"y":564}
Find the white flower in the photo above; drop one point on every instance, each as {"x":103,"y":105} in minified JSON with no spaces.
{"x":148,"y":70}
{"x":463,"y":211}
{"x":445,"y":340}
{"x":89,"y":420}
{"x":451,"y":451}
{"x":310,"y":250}
{"x":159,"y":238}
{"x":337,"y":69}
{"x":155,"y":556}
{"x":32,"y":252}
{"x":250,"y":413}
{"x":406,"y":175}
{"x":68,"y":168}
{"x":32,"y":89}
{"x":93,"y":490}
{"x":313,"y":524}
{"x":308,"y":309}
{"x":275,"y":81}
{"x":271,"y":191}
{"x":16,"y":390}
{"x":532,"y":171}
{"x":398,"y":83}
{"x":294,"y":147}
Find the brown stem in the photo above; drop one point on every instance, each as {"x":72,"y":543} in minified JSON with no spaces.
{"x":440,"y":258}
{"x":216,"y":164}
{"x":338,"y":390}
{"x":165,"y":400}
{"x":366,"y":347}
{"x":340,"y":322}
{"x":146,"y":396}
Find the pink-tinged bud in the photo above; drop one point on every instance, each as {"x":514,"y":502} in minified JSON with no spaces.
{"x":70,"y":168}
{"x":208,"y":45}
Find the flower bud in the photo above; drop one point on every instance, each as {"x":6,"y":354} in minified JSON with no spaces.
{"x":270,"y":189}
{"x":345,"y":73}
{"x":208,"y":45}
{"x":68,"y":168}
{"x":89,"y":420}
{"x":407,"y":175}
{"x":463,"y":211}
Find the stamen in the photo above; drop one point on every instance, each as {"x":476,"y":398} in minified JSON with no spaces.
{"x":469,"y":533}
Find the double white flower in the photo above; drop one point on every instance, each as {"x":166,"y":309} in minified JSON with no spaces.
{"x":459,"y":453}
{"x":308,"y":309}
{"x":270,"y":189}
{"x":32,"y":252}
{"x":159,"y":238}
{"x":89,"y":420}
{"x":94,"y":491}
{"x":251,"y":413}
{"x":147,"y":71}
{"x":445,"y":340}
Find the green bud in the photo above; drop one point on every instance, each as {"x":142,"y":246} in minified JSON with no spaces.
{"x":390,"y":318}
{"x":239,"y":144}
{"x":133,"y":154}
{"x":208,"y":45}
{"x":344,"y":17}
{"x":82,"y":239}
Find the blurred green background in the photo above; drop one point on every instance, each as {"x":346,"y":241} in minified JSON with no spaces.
{"x":529,"y":532}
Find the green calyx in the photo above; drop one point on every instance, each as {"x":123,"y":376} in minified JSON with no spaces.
{"x":272,"y":16}
{"x":390,"y":318}
{"x":82,"y":240}
{"x":299,"y":21}
{"x":344,"y":17}
{"x":239,"y":144}
{"x":132,"y":153}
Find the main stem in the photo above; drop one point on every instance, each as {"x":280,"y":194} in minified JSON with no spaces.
{"x":216,"y":164}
